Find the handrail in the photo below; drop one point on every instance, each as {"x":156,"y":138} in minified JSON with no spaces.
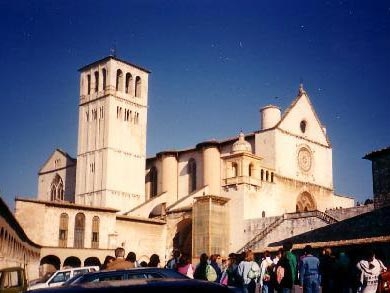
{"x":262,"y":233}
{"x":288,"y":216}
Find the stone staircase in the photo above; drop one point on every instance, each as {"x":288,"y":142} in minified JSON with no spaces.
{"x":279,"y":220}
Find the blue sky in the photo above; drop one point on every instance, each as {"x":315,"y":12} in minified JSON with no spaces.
{"x":214,"y":64}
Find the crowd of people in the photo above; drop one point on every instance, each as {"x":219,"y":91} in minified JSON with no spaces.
{"x":268,"y":273}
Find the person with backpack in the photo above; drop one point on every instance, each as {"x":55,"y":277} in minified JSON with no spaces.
{"x":286,"y":270}
{"x":204,"y":271}
{"x":249,"y":271}
{"x":213,"y":262}
{"x":266,"y":273}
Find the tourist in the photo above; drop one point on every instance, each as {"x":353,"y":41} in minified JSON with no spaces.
{"x":328,"y":270}
{"x":185,"y":267}
{"x":120,"y":262}
{"x":107,"y":260}
{"x":154,"y":261}
{"x":286,"y":270}
{"x":231,"y":271}
{"x":132,"y":258}
{"x":200,"y":270}
{"x":214,"y":258}
{"x":370,"y":268}
{"x":172,"y":263}
{"x":309,"y":272}
{"x":249,"y":271}
{"x":266,"y":273}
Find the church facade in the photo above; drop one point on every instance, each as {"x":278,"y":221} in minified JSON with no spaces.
{"x":199,"y":199}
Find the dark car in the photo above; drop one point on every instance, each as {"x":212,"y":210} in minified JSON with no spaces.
{"x":174,"y":285}
{"x":136,"y":273}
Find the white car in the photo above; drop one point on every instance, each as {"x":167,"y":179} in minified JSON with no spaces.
{"x":60,"y":276}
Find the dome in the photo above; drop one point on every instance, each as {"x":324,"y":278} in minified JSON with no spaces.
{"x":241,"y":145}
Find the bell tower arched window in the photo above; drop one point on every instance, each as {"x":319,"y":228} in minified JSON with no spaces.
{"x":104,"y":75}
{"x":79,"y":230}
{"x":57,"y":189}
{"x":128,"y":86}
{"x":138,"y":86}
{"x":191,"y":175}
{"x":96,"y":81}
{"x":119,"y":80}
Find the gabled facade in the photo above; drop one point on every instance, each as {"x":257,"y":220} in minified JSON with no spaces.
{"x":57,"y":178}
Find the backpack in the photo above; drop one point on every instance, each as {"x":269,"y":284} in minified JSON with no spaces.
{"x":384,"y":282}
{"x":211,"y":274}
{"x":269,"y":271}
{"x":254,"y":271}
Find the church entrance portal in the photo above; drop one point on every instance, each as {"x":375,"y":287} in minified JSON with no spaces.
{"x":305,"y":203}
{"x":183,"y":237}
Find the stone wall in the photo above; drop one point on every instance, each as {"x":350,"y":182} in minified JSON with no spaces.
{"x":342,"y":214}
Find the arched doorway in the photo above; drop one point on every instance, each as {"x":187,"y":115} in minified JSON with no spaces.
{"x":305,"y":203}
{"x":51,"y":261}
{"x":72,"y":261}
{"x":183,"y":237}
{"x":49,"y":264}
{"x":92,"y":261}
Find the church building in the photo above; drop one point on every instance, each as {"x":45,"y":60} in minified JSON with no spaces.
{"x":219,"y":196}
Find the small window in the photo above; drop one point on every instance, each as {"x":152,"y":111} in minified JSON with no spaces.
{"x":96,"y":81}
{"x":138,"y":86}
{"x":88,"y":84}
{"x":104,"y":73}
{"x":303,"y":125}
{"x":235,"y":169}
{"x":119,"y":80}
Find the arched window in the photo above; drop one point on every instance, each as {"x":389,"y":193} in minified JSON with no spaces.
{"x":266,"y":176}
{"x":272,"y":177}
{"x":262,"y":174}
{"x":129,"y":80}
{"x":96,"y":81}
{"x":104,"y":73}
{"x":191,"y":175}
{"x":63,"y":231}
{"x":235,"y":169}
{"x":57,"y":189}
{"x":250,"y":170}
{"x":88,"y":84}
{"x":95,"y":232}
{"x":119,"y":80}
{"x":138,"y":86}
{"x":263,"y":214}
{"x":153,"y":181}
{"x":79,"y":230}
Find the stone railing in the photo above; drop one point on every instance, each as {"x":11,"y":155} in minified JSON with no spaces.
{"x":263,"y":233}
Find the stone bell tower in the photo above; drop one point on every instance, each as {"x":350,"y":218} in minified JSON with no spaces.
{"x":112,"y":134}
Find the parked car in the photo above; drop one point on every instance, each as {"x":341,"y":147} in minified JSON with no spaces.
{"x":172,"y":285}
{"x":134,"y":273}
{"x":61,"y":276}
{"x":13,"y":280}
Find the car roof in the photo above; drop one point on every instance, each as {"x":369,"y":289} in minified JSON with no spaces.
{"x":90,"y":276}
{"x":172,"y":285}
